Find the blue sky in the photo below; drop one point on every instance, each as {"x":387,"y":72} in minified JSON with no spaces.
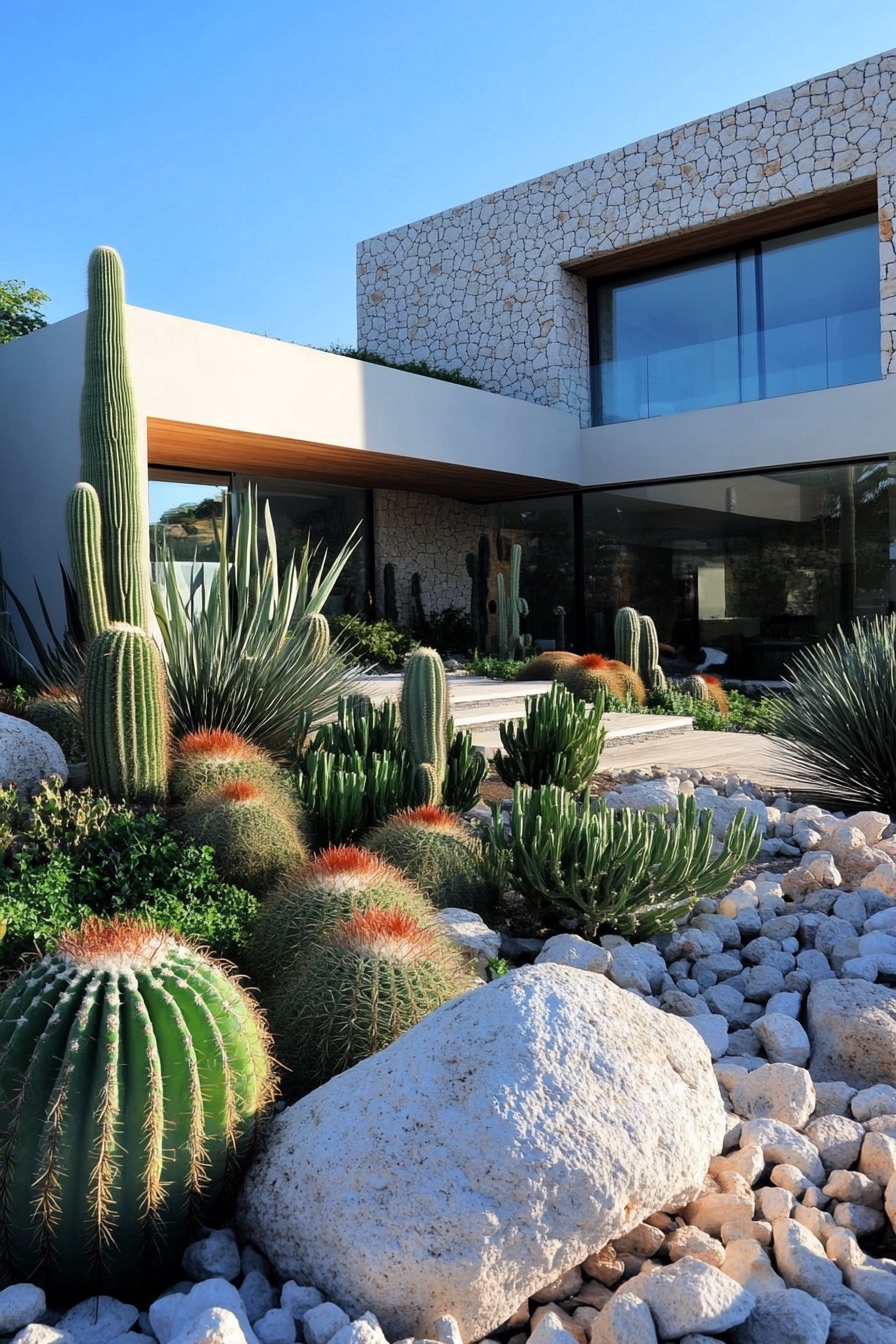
{"x":235,"y":151}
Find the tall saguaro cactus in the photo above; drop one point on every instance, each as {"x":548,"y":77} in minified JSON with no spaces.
{"x":510,"y":608}
{"x":109,"y":456}
{"x":424,"y":722}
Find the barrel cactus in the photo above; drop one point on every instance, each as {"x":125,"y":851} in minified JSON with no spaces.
{"x":211,"y":757}
{"x":340,"y":882}
{"x":590,"y":674}
{"x":314,"y":630}
{"x":57,"y":711}
{"x":440,"y":854}
{"x":716,"y":692}
{"x":547,"y":666}
{"x":630,"y":680}
{"x":126,"y":715}
{"x":254,"y":838}
{"x":133,"y":1074}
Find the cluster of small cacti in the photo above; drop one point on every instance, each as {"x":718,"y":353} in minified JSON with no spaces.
{"x":348,"y":955}
{"x":133,"y":1074}
{"x":125,"y":698}
{"x":637,"y":646}
{"x":510,"y":607}
{"x":440,"y":854}
{"x":251,"y":829}
{"x":58,"y":712}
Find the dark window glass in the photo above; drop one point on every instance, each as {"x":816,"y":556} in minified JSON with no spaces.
{"x":544,"y":530}
{"x":794,"y":314}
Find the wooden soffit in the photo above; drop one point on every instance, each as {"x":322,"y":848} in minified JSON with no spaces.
{"x":175,"y":444}
{"x":734,"y":231}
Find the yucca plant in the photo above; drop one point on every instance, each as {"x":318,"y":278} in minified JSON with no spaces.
{"x":239,"y":655}
{"x":626,"y":871}
{"x":840,"y":718}
{"x":559,"y":741}
{"x":133,"y":1073}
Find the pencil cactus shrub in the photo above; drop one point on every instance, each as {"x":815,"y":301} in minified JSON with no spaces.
{"x":649,"y":657}
{"x":466,"y":768}
{"x":254,"y":838}
{"x":559,"y":740}
{"x":57,"y":711}
{"x":134,"y":1074}
{"x":627,"y":636}
{"x":374,"y":975}
{"x":211,"y":757}
{"x":126,"y":715}
{"x":547,"y":666}
{"x":311,"y":900}
{"x":591,"y":675}
{"x":424,"y":722}
{"x":440,"y":854}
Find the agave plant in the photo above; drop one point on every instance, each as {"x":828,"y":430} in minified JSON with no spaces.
{"x":240,"y":657}
{"x":840,"y":719}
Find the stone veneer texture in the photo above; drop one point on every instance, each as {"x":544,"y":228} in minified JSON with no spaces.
{"x":480,"y":287}
{"x":432,"y":536}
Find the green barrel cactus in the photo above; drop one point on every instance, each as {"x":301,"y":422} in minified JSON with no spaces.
{"x":440,"y":854}
{"x":126,"y":715}
{"x":133,"y":1074}
{"x":547,"y":666}
{"x":314,"y":629}
{"x":695,"y":687}
{"x":627,"y":636}
{"x":254,"y":838}
{"x":424,"y":721}
{"x":58,"y":712}
{"x":707,"y":688}
{"x":212,"y":757}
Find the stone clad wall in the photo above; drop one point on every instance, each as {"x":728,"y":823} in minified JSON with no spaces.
{"x":480,"y":288}
{"x":431,"y":535}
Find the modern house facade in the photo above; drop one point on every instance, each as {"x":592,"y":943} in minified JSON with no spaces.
{"x":686,"y":351}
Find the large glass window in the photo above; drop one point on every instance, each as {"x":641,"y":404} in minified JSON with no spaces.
{"x":757,"y":566}
{"x":792,"y":314}
{"x":544,"y":530}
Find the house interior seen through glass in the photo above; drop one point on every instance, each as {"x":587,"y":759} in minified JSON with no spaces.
{"x":795,"y":313}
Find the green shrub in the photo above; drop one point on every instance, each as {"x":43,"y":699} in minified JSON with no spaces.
{"x":559,"y":741}
{"x":451,"y":630}
{"x":378,"y":642}
{"x":840,"y":719}
{"x":440,"y":854}
{"x":69,"y":855}
{"x":500,"y":669}
{"x":629,"y":872}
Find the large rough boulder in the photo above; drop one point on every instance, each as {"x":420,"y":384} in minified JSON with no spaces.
{"x":510,"y":1134}
{"x":28,"y":755}
{"x":852,"y":1029}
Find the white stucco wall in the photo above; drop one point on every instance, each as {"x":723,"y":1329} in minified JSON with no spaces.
{"x":481,"y":288}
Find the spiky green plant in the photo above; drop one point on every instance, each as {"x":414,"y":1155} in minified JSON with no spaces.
{"x":838,"y":724}
{"x":547,"y":666}
{"x":314,"y":630}
{"x":126,"y":715}
{"x":695,"y":687}
{"x":465,"y":769}
{"x":311,"y":900}
{"x":648,"y":665}
{"x":343,"y":795}
{"x":374,"y":975}
{"x":133,"y":1075}
{"x":254,"y":838}
{"x":440,"y":854}
{"x":238,"y":657}
{"x":85,"y":531}
{"x":424,"y":721}
{"x":627,"y":636}
{"x":210,"y":758}
{"x":626,"y":871}
{"x":58,"y":712}
{"x":361,"y":728}
{"x":558,"y":741}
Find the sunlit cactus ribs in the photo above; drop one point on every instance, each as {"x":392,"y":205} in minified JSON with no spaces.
{"x":133,"y":1074}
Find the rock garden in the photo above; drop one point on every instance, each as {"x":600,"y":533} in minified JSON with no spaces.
{"x":300,"y":1041}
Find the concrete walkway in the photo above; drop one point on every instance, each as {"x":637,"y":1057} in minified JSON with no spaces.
{"x":634,"y":741}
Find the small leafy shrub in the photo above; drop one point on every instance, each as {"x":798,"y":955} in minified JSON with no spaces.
{"x":629,"y":872}
{"x":133,"y":1073}
{"x":500,"y":669}
{"x":440,"y":854}
{"x":211,"y":757}
{"x":379,"y":642}
{"x":66,"y":856}
{"x":254,"y":839}
{"x":418,"y":366}
{"x":840,"y":718}
{"x":451,"y":630}
{"x":559,"y":741}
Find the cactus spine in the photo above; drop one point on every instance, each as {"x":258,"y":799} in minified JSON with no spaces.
{"x":110,"y":460}
{"x":85,"y":529}
{"x":627,"y":636}
{"x":390,"y":603}
{"x":125,"y":696}
{"x":424,"y":721}
{"x":133,"y":1072}
{"x":126,"y":715}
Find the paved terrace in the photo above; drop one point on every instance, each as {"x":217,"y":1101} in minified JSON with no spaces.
{"x":634,"y":741}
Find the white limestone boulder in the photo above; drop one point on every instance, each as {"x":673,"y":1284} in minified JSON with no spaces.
{"x":509,"y":1135}
{"x":852,"y":1029}
{"x":28,"y":755}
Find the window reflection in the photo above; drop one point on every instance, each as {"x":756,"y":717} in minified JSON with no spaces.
{"x":544,"y":530}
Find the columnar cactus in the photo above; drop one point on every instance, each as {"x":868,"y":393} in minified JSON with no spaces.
{"x":85,"y":531}
{"x":424,"y":720}
{"x":126,"y":715}
{"x":627,"y":636}
{"x":649,"y":656}
{"x":133,"y":1074}
{"x":110,"y":459}
{"x":511,"y":607}
{"x":477,"y":568}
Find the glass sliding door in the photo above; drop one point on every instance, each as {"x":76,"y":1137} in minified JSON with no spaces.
{"x":186,"y":516}
{"x":544,"y":530}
